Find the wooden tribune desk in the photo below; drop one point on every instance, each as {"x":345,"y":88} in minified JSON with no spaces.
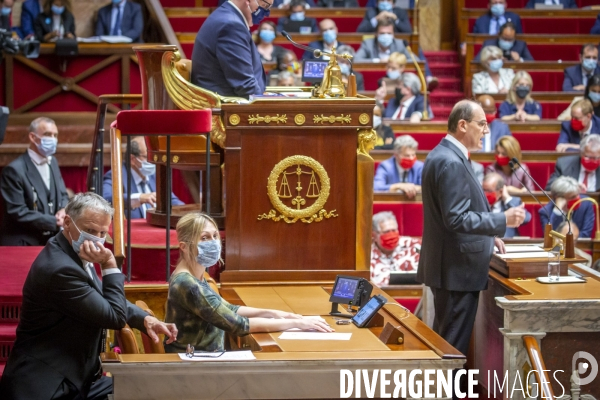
{"x":285,"y":368}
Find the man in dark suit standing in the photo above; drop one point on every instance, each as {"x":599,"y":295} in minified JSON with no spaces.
{"x":66,"y":309}
{"x":576,"y":77}
{"x":512,"y":48}
{"x":33,"y":190}
{"x":491,"y":22}
{"x":121,"y":18}
{"x":225,"y":58}
{"x":583,"y":168}
{"x":460,"y":230}
{"x":497,"y":128}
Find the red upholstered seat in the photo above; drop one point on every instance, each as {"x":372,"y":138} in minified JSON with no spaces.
{"x":552,"y":26}
{"x":164,"y":122}
{"x":528,"y":141}
{"x":517,"y":3}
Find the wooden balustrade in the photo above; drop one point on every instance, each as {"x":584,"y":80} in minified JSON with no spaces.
{"x":544,"y":388}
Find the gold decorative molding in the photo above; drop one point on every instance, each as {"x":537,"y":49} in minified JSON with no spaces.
{"x":255,"y":119}
{"x":164,"y":158}
{"x":175,"y":159}
{"x":234,"y":119}
{"x":312,"y":213}
{"x":155,"y":158}
{"x":320,"y":119}
{"x":299,"y":119}
{"x":366,"y":141}
{"x":364,"y":118}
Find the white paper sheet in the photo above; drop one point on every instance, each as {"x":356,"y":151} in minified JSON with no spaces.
{"x":516,"y":248}
{"x":244,"y":355}
{"x":116,"y":39}
{"x":315,"y":336}
{"x":537,"y":254}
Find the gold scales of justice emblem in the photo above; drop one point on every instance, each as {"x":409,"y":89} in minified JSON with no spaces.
{"x":292,"y":204}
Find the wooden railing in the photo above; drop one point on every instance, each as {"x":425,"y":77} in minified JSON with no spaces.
{"x":544,"y":389}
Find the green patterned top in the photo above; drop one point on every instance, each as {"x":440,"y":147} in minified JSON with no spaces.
{"x":202,"y":316}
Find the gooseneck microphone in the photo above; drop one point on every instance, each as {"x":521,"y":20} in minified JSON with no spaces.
{"x":317,"y":52}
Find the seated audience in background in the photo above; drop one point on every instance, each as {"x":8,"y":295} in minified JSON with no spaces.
{"x":519,"y":106}
{"x":512,"y":48}
{"x":498,"y":128}
{"x":508,"y":148}
{"x":596,"y":28}
{"x":143,"y":187}
{"x":592,"y":93}
{"x":385,"y":133}
{"x":477,"y":170}
{"x":563,"y":229}
{"x":33,"y":190}
{"x":121,"y":18}
{"x":30,"y":9}
{"x":393,"y":77}
{"x":285,"y":78}
{"x":564,"y":3}
{"x":408,"y":102}
{"x":296,"y":21}
{"x":203,"y":316}
{"x":401,"y":172}
{"x":382,"y":45}
{"x":286,"y":61}
{"x":496,"y":192}
{"x":493,"y":78}
{"x":497,"y":16}
{"x":55,"y":21}
{"x":565,"y":192}
{"x":264,"y":42}
{"x":346,"y":67}
{"x":67,"y":309}
{"x":338,"y":3}
{"x":385,"y":10}
{"x":329,"y":32}
{"x":6,"y":16}
{"x":576,"y":77}
{"x":583,"y":122}
{"x":403,"y":4}
{"x":390,"y":251}
{"x":285,"y":4}
{"x":583,"y":168}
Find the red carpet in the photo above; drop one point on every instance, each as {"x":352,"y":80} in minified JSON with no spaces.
{"x":16,"y":262}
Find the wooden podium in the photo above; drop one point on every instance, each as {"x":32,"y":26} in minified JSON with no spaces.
{"x":299,"y":189}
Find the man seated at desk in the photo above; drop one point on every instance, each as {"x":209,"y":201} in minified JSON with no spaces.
{"x":496,"y":191}
{"x":201,"y":314}
{"x":121,"y":18}
{"x":401,"y":172}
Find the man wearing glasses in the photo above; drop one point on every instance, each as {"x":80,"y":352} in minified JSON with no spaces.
{"x":460,"y":229}
{"x":225,"y":59}
{"x":583,"y":168}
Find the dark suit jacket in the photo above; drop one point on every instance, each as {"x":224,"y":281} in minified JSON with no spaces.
{"x":565,"y":3}
{"x":393,"y":104}
{"x":459,"y":227}
{"x":373,"y":3}
{"x":369,"y":49}
{"x":317,"y":44}
{"x":282,"y":22}
{"x":107,"y":192}
{"x":583,"y":217}
{"x":43,"y":24}
{"x":569,"y":135}
{"x":596,"y":28}
{"x":514,"y":202}
{"x":338,"y":3}
{"x":29,"y":12}
{"x":482,"y":24}
{"x":21,"y":224}
{"x":387,"y":174}
{"x":519,"y":46}
{"x":225,"y":59}
{"x":402,"y":23}
{"x":574,"y":77}
{"x":570,"y":166}
{"x":132,"y":21}
{"x":64,"y":312}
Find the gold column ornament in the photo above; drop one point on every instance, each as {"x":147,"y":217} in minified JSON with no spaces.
{"x":366,"y":141}
{"x":320,"y":119}
{"x":255,"y":119}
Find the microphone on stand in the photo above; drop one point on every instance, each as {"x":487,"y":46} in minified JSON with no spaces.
{"x":317,"y":52}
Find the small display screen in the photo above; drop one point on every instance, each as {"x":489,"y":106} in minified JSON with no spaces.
{"x":313,"y":71}
{"x":345,"y":288}
{"x":367,"y":311}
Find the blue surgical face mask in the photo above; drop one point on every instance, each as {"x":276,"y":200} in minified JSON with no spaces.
{"x":329,"y":36}
{"x":83,"y":236}
{"x":393,"y":74}
{"x":497,"y":10}
{"x":147,"y":169}
{"x":47,"y":145}
{"x":297,"y":16}
{"x":345,"y":69}
{"x":266,"y":36}
{"x":495,"y":65}
{"x":117,"y":1}
{"x":385,"y":6}
{"x":6,"y":11}
{"x":594,"y":97}
{"x":58,"y":10}
{"x":505,"y":44}
{"x":259,"y":15}
{"x":589,"y":64}
{"x":209,"y":252}
{"x":385,"y":39}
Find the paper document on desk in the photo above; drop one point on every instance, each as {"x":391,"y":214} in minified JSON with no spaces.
{"x":116,"y":39}
{"x":519,"y":248}
{"x":536,"y":254}
{"x":315,"y":336}
{"x":245,"y":355}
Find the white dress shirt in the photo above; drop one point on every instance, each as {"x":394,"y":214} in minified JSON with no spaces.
{"x":241,"y":13}
{"x":398,"y":114}
{"x":113,"y":16}
{"x":458,"y":144}
{"x":89,"y":267}
{"x":43,"y":166}
{"x":496,"y":23}
{"x":135,"y":197}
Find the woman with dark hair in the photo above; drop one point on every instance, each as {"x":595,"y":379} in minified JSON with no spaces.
{"x":592,"y":93}
{"x":55,"y":22}
{"x":264,"y":38}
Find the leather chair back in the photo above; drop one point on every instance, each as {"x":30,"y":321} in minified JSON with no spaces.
{"x":149,"y":346}
{"x":126,"y":340}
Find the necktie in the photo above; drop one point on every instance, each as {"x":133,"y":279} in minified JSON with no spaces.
{"x":143,"y":187}
{"x":469,"y":156}
{"x":585,"y":179}
{"x":404,"y":176}
{"x":399,"y":116}
{"x":117,"y":25}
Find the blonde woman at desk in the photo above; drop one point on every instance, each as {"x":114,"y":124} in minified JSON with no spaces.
{"x":202,"y":315}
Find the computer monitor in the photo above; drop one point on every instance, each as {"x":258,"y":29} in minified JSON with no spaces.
{"x":313,"y":70}
{"x":349,"y":290}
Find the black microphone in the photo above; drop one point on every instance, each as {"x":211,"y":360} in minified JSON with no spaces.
{"x":317,"y":52}
{"x":512,"y":164}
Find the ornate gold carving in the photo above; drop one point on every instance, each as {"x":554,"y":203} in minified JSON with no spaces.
{"x":299,"y":119}
{"x":364,"y":118}
{"x":155,"y":158}
{"x":366,"y":141}
{"x":255,"y":119}
{"x":234,"y":119}
{"x":312,"y":213}
{"x":164,"y":158}
{"x":320,"y":119}
{"x":175,"y":159}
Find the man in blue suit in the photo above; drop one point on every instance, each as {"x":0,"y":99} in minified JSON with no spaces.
{"x":123,"y":18}
{"x":512,"y":48}
{"x":495,"y":190}
{"x":583,"y":122}
{"x":565,"y":3}
{"x":576,"y":77}
{"x":225,"y":59}
{"x":143,"y":187}
{"x":596,"y":28}
{"x":408,"y":104}
{"x":402,"y":172}
{"x":496,"y":126}
{"x":491,"y":22}
{"x":329,"y":31}
{"x":29,"y":12}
